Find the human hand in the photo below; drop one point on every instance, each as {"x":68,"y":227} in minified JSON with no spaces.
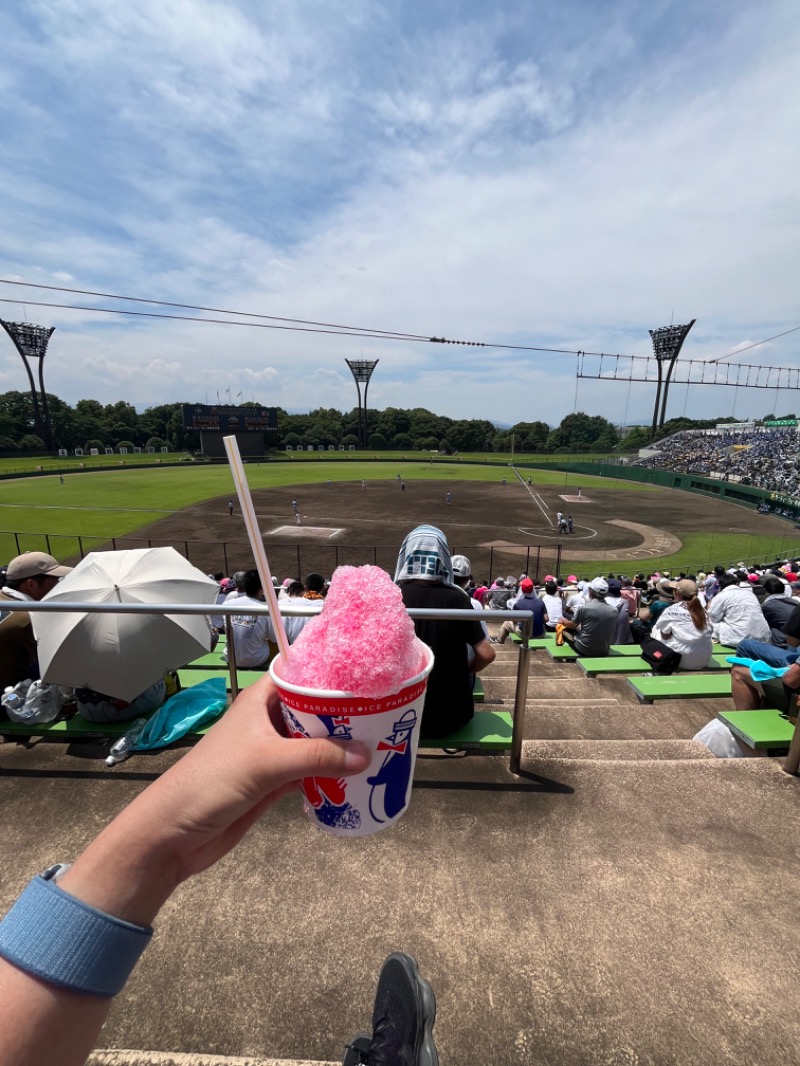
{"x":203,"y":805}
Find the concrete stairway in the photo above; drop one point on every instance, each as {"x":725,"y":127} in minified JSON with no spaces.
{"x":570,"y":716}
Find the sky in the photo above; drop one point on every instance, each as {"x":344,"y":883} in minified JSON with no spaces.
{"x":554,"y":175}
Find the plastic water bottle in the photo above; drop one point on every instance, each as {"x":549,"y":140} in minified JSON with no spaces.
{"x":12,"y":702}
{"x":42,"y":703}
{"x":121,"y":749}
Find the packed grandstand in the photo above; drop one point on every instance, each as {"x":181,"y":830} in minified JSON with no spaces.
{"x":763,"y":457}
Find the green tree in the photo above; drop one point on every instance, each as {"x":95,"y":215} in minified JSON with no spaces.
{"x":377,"y":442}
{"x":31,"y":443}
{"x":636,"y":438}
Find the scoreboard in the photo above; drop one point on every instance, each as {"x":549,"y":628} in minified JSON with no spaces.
{"x":230,"y":420}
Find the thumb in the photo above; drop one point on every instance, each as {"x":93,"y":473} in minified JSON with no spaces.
{"x":322,"y":757}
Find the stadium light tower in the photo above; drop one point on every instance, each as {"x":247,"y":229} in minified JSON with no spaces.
{"x":31,"y":343}
{"x":362,"y":369}
{"x":667,"y":344}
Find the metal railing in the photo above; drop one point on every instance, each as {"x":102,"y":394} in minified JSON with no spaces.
{"x":302,"y":610}
{"x":291,"y":559}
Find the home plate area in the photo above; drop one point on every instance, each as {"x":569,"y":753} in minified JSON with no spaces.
{"x":303,"y":532}
{"x":575,"y":499}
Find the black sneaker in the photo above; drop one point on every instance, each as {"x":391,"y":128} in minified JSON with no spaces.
{"x":402,"y":1020}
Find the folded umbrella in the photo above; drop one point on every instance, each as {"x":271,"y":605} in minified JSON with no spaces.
{"x":121,"y":655}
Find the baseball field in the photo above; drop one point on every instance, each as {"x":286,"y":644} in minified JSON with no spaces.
{"x":352,"y":511}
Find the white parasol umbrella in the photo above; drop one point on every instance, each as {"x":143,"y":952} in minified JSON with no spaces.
{"x":122,"y":655}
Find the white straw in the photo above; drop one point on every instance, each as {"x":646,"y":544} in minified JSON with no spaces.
{"x":256,"y":543}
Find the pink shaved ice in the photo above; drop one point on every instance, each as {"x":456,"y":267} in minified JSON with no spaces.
{"x":362,"y":641}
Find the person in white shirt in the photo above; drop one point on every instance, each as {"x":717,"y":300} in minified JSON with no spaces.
{"x":684,"y":626}
{"x":552,"y":604}
{"x":295,"y":597}
{"x":735,"y":614}
{"x":251,"y":632}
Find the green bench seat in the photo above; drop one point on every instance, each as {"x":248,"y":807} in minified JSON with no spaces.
{"x":486,"y":731}
{"x":547,"y":641}
{"x":760,"y":730}
{"x":629,"y":664}
{"x":478,"y":695}
{"x":75,"y":728}
{"x":212,"y":660}
{"x":244,"y":677}
{"x":682,"y":686}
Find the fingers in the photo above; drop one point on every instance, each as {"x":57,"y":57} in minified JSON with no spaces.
{"x":320,"y":757}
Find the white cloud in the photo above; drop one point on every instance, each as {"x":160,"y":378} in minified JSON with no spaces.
{"x":533,"y":177}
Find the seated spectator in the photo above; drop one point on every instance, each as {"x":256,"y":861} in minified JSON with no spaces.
{"x":95,"y":707}
{"x":294,"y":624}
{"x":712,"y":583}
{"x":573,"y":597}
{"x":750,"y":694}
{"x":528,"y":601}
{"x":777,"y":607}
{"x":663,"y":597}
{"x":771,"y":653}
{"x":283,"y":592}
{"x":424,"y":573}
{"x":622,"y":633}
{"x":684,"y":627}
{"x":238,"y":587}
{"x":735,"y":614}
{"x":553,"y":606}
{"x":462,"y":577}
{"x":217,"y":621}
{"x":591,"y":630}
{"x":481,"y":592}
{"x":631,"y":596}
{"x":28,"y":577}
{"x":498,"y":597}
{"x":780,"y":693}
{"x":314,"y":587}
{"x":251,"y":632}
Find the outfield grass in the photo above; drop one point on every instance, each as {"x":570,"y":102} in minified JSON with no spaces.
{"x":89,"y":462}
{"x":92,"y":462}
{"x":700,"y":551}
{"x":114,"y":503}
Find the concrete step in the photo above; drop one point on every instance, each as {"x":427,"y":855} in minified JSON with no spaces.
{"x":608,"y":720}
{"x":613,"y":750}
{"x":125,"y":1057}
{"x":558,"y":688}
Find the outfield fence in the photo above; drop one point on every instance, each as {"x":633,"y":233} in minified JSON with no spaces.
{"x":295,"y":559}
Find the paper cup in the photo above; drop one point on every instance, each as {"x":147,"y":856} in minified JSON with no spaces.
{"x":390,"y":727}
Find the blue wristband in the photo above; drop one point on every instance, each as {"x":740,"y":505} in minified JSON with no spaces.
{"x":66,"y":942}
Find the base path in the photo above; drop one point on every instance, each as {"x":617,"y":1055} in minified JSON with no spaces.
{"x":654,"y":542}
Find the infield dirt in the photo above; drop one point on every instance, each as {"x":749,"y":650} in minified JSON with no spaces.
{"x":502,"y":528}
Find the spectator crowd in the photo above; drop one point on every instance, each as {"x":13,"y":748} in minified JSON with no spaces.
{"x":765,"y":458}
{"x":754,"y":612}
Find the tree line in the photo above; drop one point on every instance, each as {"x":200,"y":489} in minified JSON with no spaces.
{"x":91,"y":424}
